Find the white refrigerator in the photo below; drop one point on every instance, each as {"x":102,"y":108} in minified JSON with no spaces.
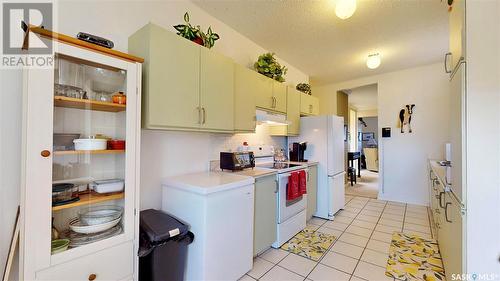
{"x":325,"y":144}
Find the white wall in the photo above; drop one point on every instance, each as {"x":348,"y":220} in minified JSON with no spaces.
{"x":403,"y":157}
{"x":167,"y":153}
{"x":10,"y":151}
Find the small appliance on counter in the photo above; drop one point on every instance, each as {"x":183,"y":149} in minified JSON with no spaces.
{"x":236,"y":161}
{"x":297,"y":152}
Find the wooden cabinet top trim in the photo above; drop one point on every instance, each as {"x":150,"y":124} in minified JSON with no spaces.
{"x":78,"y":43}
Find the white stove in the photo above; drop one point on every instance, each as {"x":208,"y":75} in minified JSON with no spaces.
{"x":291,"y":218}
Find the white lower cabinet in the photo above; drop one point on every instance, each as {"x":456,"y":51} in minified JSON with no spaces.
{"x":448,"y":223}
{"x":115,"y":263}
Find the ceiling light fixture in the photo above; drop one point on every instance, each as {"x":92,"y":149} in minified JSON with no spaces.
{"x":345,"y":8}
{"x":373,"y":61}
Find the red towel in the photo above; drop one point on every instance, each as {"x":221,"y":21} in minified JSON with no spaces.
{"x":292,"y":191}
{"x":302,"y":182}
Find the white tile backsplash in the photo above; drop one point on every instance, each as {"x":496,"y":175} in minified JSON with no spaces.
{"x":170,"y":153}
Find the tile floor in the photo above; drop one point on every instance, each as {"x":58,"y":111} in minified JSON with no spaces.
{"x":363,"y":230}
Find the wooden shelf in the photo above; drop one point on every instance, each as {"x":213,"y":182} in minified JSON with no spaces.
{"x":61,"y":101}
{"x":90,"y":198}
{"x":76,"y":152}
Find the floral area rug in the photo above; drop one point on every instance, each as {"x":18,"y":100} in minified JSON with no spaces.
{"x":412,"y":257}
{"x":309,"y":243}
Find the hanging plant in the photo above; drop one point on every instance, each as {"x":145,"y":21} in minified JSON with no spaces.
{"x":195,"y":34}
{"x":304,"y":88}
{"x":269,"y":66}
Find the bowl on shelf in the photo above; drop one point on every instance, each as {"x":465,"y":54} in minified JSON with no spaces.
{"x":79,"y":227}
{"x":116,"y":144}
{"x":78,"y":239}
{"x":64,"y":193}
{"x":108,"y":186}
{"x":59,"y":245}
{"x":97,"y":215}
{"x":90,"y":144}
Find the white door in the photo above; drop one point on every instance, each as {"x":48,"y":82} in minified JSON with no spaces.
{"x":337,"y":193}
{"x":335,"y":146}
{"x":457,"y":129}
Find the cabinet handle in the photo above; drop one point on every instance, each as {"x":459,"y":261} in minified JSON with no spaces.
{"x":45,"y":153}
{"x":446,"y":63}
{"x":204,"y":115}
{"x":277,"y":187}
{"x":446,"y":211}
{"x":92,"y":277}
{"x":310,"y":108}
{"x":440,"y":197}
{"x":199,"y":114}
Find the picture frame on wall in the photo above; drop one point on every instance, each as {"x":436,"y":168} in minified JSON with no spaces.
{"x":368,"y":136}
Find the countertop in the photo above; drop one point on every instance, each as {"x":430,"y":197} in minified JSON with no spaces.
{"x":308,"y":163}
{"x":207,"y":182}
{"x":255,"y":172}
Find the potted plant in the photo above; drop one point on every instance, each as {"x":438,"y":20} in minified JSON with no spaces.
{"x":269,"y":66}
{"x":304,"y":88}
{"x":195,"y":34}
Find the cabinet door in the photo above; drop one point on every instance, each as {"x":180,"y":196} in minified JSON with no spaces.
{"x":171,"y":78}
{"x":60,"y":169}
{"x":312,"y":190}
{"x":263,"y":91}
{"x":457,"y":32}
{"x":217,"y":91}
{"x":279,"y":94}
{"x":265,"y":213}
{"x":309,"y":105}
{"x":450,"y":243}
{"x":293,"y":112}
{"x":314,"y":105}
{"x":244,"y":99}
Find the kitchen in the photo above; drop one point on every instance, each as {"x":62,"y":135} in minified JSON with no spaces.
{"x":170,"y":153}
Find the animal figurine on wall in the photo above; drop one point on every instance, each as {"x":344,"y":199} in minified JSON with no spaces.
{"x":405,"y":117}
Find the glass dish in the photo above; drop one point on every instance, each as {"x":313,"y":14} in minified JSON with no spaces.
{"x":64,"y":193}
{"x":95,"y":215}
{"x":78,"y":239}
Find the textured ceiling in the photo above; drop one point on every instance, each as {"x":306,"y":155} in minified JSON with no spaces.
{"x":308,"y":35}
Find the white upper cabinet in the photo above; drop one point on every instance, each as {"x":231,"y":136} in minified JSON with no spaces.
{"x":457,"y":35}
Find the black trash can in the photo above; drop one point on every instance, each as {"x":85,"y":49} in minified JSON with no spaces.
{"x":163,"y":246}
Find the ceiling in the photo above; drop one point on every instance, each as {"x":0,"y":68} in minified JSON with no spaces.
{"x":364,"y":97}
{"x":308,"y":34}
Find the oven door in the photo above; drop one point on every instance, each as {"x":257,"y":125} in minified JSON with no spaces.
{"x":288,"y":209}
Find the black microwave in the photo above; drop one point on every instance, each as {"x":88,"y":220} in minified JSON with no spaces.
{"x":236,"y":160}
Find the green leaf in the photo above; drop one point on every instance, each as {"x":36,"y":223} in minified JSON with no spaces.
{"x":186,"y":17}
{"x":180,"y":27}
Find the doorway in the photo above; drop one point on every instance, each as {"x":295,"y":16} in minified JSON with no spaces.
{"x":363,"y":141}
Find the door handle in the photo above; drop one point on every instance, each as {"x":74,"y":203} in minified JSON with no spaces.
{"x":446,"y":211}
{"x":446,"y":70}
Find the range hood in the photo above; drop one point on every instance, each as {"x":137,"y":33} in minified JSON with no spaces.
{"x":265,"y":117}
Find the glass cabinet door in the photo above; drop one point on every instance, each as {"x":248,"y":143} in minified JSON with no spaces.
{"x":90,"y":158}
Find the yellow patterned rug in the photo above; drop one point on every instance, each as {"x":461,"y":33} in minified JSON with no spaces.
{"x":412,"y":257}
{"x":309,"y":243}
